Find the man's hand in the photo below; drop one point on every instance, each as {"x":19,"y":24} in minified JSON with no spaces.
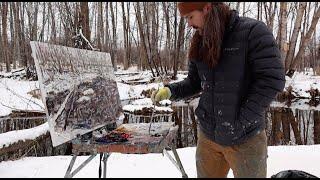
{"x":161,"y":94}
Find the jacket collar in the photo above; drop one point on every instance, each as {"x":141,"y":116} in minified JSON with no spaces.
{"x":234,"y":18}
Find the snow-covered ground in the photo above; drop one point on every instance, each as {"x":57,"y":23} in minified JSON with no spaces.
{"x":305,"y":158}
{"x":14,"y":96}
{"x":14,"y":136}
{"x":301,"y":82}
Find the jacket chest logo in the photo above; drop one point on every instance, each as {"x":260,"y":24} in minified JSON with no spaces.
{"x":231,"y":49}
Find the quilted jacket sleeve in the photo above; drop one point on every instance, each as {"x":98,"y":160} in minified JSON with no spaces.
{"x":187,"y":87}
{"x":266,"y":71}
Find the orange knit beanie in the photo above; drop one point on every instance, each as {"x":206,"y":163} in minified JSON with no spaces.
{"x":187,"y":7}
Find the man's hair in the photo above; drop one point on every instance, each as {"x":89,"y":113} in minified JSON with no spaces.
{"x":207,"y":47}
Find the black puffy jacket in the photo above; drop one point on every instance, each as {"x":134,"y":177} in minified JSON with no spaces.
{"x":236,"y":92}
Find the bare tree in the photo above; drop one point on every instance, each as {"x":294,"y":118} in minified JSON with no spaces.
{"x":238,"y":6}
{"x":100,"y":34}
{"x":114,"y":37}
{"x":44,"y":21}
{"x":32,"y":12}
{"x":270,"y":11}
{"x":305,"y":41}
{"x":5,"y":52}
{"x":168,"y":44}
{"x":143,"y":40}
{"x":179,"y":44}
{"x":125,"y":36}
{"x":84,"y":19}
{"x":53,"y":34}
{"x":295,"y":33}
{"x":23,"y":43}
{"x":282,"y":31}
{"x":17,"y":28}
{"x":12,"y":34}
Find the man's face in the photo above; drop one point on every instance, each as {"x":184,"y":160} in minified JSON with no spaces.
{"x":196,"y":18}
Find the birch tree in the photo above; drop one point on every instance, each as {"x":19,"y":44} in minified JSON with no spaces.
{"x":282,"y":31}
{"x":305,"y":41}
{"x":295,"y":33}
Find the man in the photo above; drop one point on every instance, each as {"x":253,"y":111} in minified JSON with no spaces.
{"x":236,"y":64}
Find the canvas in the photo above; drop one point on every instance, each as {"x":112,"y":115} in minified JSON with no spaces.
{"x":78,"y":89}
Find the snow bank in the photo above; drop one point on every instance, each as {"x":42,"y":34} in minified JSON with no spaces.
{"x":14,"y":96}
{"x":14,"y":136}
{"x":302,"y":82}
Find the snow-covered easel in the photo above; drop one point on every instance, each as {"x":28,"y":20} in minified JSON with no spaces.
{"x":141,"y":143}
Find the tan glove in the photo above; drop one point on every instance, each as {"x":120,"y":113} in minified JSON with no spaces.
{"x":161,"y":94}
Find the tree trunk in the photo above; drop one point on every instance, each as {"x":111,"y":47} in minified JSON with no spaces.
{"x":283,"y":30}
{"x":128,"y":50}
{"x":168,"y":47}
{"x":44,"y":20}
{"x":4,"y":11}
{"x":12,"y":33}
{"x":114,"y":38}
{"x":100,"y":26}
{"x":84,"y":20}
{"x":53,"y":35}
{"x":295,"y":33}
{"x":23,"y":36}
{"x":243,"y":9}
{"x":270,"y":14}
{"x":305,"y":41}
{"x":175,"y":41}
{"x":238,"y":6}
{"x":34,"y":35}
{"x":142,"y":38}
{"x":107,"y":34}
{"x":125,"y":37}
{"x":17,"y":55}
{"x":178,"y":47}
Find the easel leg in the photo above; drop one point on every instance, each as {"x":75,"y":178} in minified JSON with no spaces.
{"x":69,"y":174}
{"x":176,"y":162}
{"x":105,"y":159}
{"x":175,"y":153}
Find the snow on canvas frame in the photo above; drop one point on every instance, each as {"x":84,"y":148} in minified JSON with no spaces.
{"x":78,"y":88}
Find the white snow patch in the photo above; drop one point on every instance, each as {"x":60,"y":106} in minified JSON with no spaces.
{"x":144,"y":103}
{"x":88,"y":92}
{"x":14,"y":136}
{"x":83,"y":98}
{"x":14,"y":96}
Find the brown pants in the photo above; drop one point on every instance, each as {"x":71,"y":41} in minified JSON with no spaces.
{"x":246,"y":160}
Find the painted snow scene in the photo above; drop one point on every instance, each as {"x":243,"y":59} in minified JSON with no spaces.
{"x":78,"y":87}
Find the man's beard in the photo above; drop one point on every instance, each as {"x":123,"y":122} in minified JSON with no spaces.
{"x":200,"y":30}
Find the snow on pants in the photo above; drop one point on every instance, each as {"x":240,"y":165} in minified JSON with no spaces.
{"x":246,"y":160}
